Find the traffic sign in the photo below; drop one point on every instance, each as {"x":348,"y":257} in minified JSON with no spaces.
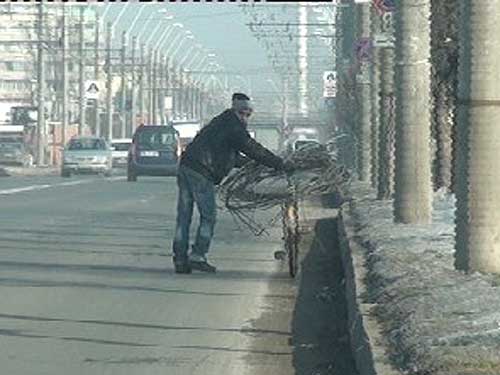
{"x":329,"y":84}
{"x":92,"y":90}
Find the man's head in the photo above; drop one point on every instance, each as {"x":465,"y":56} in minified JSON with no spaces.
{"x":241,"y":106}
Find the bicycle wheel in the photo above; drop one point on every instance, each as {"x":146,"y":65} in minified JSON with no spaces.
{"x":292,"y":238}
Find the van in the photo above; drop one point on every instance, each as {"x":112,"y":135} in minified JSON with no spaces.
{"x":155,"y":151}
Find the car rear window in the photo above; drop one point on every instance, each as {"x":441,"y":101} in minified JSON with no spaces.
{"x":121,"y":146}
{"x":87,"y":144}
{"x":152,"y":139}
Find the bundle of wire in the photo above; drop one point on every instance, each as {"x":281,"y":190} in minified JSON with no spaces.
{"x":255,"y":187}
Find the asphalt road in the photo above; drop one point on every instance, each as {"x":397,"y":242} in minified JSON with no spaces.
{"x":87,"y":287}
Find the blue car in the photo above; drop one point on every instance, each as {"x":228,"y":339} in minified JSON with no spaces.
{"x":155,"y":151}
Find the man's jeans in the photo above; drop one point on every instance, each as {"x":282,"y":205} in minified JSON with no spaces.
{"x":194,"y":188}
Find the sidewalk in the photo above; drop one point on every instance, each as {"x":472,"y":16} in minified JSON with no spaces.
{"x":6,"y":171}
{"x":412,"y":311}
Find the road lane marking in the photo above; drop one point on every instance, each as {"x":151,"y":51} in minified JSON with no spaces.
{"x":46,"y":186}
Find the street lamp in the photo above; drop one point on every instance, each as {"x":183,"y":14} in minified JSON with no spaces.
{"x":153,"y":33}
{"x":141,"y":31}
{"x":143,"y":6}
{"x":210,"y":55}
{"x":166,"y":32}
{"x":187,"y":37}
{"x":188,"y":34}
{"x":165,"y":38}
{"x":196,"y":48}
{"x":120,"y":15}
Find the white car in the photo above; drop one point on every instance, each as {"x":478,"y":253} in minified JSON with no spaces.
{"x":119,"y":151}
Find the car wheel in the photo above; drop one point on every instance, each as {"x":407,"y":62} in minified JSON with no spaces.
{"x":131,"y":176}
{"x":65,"y":173}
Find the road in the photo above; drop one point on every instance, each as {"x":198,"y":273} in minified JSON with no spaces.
{"x":87,"y":287}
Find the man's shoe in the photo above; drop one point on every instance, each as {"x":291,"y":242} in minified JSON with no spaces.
{"x":182,"y":267}
{"x":200,"y":263}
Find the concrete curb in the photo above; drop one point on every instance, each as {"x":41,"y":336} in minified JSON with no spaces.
{"x":367,"y":344}
{"x":28,"y":172}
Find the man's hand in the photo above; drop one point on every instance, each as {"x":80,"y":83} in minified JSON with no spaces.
{"x":289,"y":166}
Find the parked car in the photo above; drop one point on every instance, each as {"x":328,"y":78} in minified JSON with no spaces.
{"x":155,"y":151}
{"x":15,"y":153}
{"x":86,"y":155}
{"x":119,"y":151}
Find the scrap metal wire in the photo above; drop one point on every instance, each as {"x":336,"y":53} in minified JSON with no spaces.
{"x":255,"y":187}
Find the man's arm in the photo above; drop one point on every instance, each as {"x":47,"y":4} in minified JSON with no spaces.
{"x":250,"y":147}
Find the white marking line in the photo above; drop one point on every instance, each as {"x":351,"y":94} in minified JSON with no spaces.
{"x":46,"y":186}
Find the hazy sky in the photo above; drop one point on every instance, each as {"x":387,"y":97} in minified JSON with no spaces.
{"x":220,"y":27}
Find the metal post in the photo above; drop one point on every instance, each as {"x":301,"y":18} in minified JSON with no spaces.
{"x":180,"y":93}
{"x":123,"y":91}
{"x":109,"y":81}
{"x":97,"y":119}
{"x":150,"y":85}
{"x":133,"y":101}
{"x":81,"y":77}
{"x":154,"y":88}
{"x":64,"y":118}
{"x":40,"y":157}
{"x":141,"y":83}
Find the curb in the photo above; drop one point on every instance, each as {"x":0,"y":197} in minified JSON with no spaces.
{"x":367,"y":344}
{"x":28,"y":172}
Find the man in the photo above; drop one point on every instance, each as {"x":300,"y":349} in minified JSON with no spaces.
{"x":205,"y":162}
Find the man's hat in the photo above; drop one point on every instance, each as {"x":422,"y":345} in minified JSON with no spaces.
{"x":241,"y":102}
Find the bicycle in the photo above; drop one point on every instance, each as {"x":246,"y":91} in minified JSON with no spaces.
{"x":291,"y":234}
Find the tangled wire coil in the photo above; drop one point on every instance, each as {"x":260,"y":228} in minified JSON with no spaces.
{"x":257,"y":187}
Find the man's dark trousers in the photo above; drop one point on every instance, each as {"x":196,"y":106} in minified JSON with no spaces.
{"x":194,"y":188}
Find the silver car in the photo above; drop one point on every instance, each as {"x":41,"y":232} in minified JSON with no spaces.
{"x":15,"y":153}
{"x":86,"y":155}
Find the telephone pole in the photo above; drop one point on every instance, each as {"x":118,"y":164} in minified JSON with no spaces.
{"x":40,"y":157}
{"x":133,"y":102}
{"x":123,"y":97}
{"x":109,"y":81}
{"x":96,"y":73}
{"x":64,"y":119}
{"x":81,"y":86}
{"x":141,"y":83}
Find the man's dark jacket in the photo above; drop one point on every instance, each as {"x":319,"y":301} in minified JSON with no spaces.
{"x":215,"y":149}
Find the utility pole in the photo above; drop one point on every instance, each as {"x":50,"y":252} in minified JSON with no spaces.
{"x":181,"y":92}
{"x":141,"y":83}
{"x":387,"y":130}
{"x":81,"y":68}
{"x":364,"y":91}
{"x":64,"y":37}
{"x":375,"y":97}
{"x":40,"y":91}
{"x":284,"y":112}
{"x":96,"y":74}
{"x":109,"y":81}
{"x":413,"y":190}
{"x":150,"y":85}
{"x":123,"y":92}
{"x":477,"y":176}
{"x":133,"y":102}
{"x":154,"y":88}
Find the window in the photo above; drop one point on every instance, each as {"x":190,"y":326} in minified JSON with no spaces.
{"x":87,"y":144}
